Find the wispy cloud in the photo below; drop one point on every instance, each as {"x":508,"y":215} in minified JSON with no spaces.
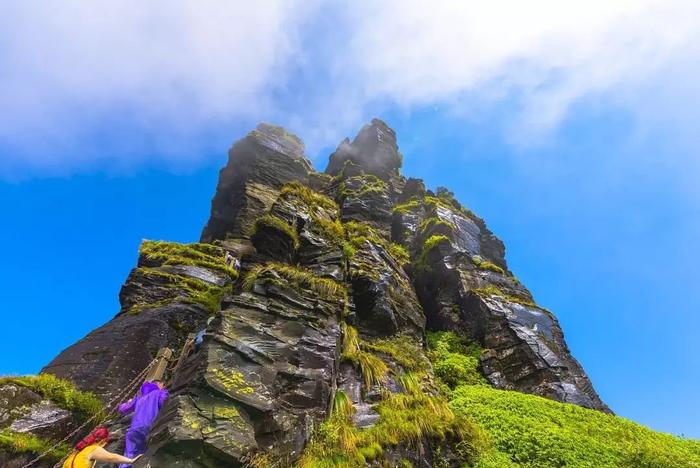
{"x":155,"y":77}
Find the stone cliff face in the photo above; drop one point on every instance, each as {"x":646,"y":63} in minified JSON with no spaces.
{"x":343,"y":273}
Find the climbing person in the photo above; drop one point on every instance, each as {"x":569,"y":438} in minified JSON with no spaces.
{"x":199,"y":338}
{"x":236,"y":265}
{"x":90,"y":449}
{"x":145,"y":407}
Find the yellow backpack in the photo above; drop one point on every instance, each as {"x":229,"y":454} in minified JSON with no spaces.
{"x":80,"y":459}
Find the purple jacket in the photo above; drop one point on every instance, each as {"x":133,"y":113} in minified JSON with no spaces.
{"x":145,"y":406}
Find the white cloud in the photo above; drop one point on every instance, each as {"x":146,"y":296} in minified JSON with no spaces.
{"x":167,"y":73}
{"x":158,"y":64}
{"x":546,"y":54}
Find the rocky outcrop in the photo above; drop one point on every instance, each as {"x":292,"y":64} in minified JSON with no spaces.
{"x":258,"y":166}
{"x":317,"y":351}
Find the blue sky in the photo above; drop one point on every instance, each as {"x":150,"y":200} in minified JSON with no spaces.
{"x":571,"y":130}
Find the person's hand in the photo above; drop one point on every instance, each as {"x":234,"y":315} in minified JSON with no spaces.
{"x":133,"y":460}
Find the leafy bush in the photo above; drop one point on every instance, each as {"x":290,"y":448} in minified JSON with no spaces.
{"x":455,"y":360}
{"x":401,"y":349}
{"x":360,"y":232}
{"x":62,"y":392}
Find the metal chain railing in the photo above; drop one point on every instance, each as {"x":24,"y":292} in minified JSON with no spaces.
{"x":127,"y":390}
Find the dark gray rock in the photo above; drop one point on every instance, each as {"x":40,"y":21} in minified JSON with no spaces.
{"x":258,"y":166}
{"x":374,"y":148}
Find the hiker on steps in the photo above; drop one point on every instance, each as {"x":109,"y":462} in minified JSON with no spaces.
{"x":90,"y":449}
{"x":145,"y":407}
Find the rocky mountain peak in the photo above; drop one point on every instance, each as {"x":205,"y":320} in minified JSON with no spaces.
{"x":363,"y":300}
{"x":374,"y":149}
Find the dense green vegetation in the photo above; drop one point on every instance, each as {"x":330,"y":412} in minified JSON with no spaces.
{"x":534,"y":432}
{"x":20,"y":442}
{"x":196,"y":254}
{"x":405,"y":417}
{"x":60,"y":391}
{"x":455,"y":360}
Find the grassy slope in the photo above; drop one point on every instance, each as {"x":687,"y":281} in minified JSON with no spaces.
{"x":530,"y":431}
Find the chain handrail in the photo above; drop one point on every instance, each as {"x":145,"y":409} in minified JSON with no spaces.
{"x":119,"y":396}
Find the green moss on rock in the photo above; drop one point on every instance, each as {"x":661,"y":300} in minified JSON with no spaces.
{"x":185,"y":289}
{"x":310,"y":197}
{"x":491,"y":290}
{"x":62,"y":392}
{"x":298,"y":277}
{"x":25,"y":443}
{"x":195,"y":254}
{"x":278,"y":224}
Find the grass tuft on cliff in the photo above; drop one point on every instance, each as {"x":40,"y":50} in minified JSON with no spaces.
{"x":20,"y":442}
{"x":358,"y":233}
{"x":310,"y":197}
{"x":62,"y":392}
{"x":185,"y":289}
{"x":195,"y":254}
{"x":491,"y":290}
{"x":484,"y":264}
{"x":535,"y":432}
{"x":278,"y":224}
{"x":300,"y":278}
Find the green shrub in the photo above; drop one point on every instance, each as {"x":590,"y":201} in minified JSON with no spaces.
{"x":22,"y":442}
{"x":430,"y":243}
{"x":455,"y":359}
{"x":297,"y":277}
{"x":195,"y":254}
{"x":280,"y":225}
{"x":62,"y":392}
{"x":399,"y":253}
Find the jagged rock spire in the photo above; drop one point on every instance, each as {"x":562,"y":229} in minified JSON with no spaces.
{"x":374,"y":149}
